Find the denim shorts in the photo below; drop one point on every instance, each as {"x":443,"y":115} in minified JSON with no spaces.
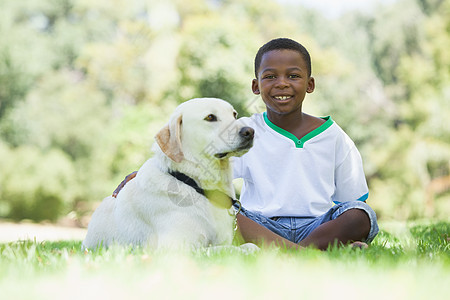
{"x":296,"y":229}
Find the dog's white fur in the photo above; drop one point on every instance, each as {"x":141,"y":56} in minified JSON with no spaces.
{"x":159,"y":211}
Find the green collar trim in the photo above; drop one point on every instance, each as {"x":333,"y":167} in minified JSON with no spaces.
{"x":300,"y":142}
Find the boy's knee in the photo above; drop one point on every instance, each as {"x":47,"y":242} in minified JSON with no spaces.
{"x":359,"y":221}
{"x":361,"y":217}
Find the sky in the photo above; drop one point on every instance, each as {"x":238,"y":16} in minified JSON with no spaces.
{"x":334,"y":8}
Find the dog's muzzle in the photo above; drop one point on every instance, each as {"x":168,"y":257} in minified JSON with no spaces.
{"x":247,"y":134}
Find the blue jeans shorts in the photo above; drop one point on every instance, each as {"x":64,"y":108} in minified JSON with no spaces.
{"x":296,"y":229}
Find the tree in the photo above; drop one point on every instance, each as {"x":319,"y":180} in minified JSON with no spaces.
{"x":215,"y":60}
{"x":414,"y":66}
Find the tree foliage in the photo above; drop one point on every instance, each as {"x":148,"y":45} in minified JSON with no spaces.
{"x":85,"y":85}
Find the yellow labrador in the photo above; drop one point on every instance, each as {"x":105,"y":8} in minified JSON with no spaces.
{"x":181,"y":197}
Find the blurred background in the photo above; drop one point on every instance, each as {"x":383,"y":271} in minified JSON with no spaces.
{"x":85,"y":85}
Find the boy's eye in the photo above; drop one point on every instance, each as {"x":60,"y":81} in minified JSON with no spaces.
{"x":294,"y":76}
{"x":210,"y":118}
{"x":269,"y":76}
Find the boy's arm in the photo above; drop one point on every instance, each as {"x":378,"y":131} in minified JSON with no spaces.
{"x":350,"y":179}
{"x":122,"y":184}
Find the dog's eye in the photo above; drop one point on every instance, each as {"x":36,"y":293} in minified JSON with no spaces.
{"x":235,"y":114}
{"x":211,"y":118}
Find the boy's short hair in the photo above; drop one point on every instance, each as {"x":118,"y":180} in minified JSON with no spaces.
{"x":281,"y":44}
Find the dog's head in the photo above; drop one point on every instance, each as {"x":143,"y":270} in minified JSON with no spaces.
{"x":204,"y":127}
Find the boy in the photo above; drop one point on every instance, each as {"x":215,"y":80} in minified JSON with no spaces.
{"x":299,"y":164}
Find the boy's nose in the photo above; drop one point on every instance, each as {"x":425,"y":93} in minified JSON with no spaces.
{"x":281,"y":82}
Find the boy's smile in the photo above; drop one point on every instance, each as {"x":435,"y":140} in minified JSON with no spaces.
{"x":283,"y":81}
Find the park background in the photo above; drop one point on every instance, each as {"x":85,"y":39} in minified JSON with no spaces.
{"x":85,"y":85}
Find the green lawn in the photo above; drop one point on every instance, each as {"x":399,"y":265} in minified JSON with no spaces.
{"x":404,"y":262}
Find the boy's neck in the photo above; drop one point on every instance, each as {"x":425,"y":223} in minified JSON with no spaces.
{"x":289,"y":121}
{"x":297,"y":123}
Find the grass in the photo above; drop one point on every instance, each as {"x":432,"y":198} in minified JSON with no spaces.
{"x":404,"y":262}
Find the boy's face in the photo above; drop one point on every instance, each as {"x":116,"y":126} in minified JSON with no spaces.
{"x":283,"y":81}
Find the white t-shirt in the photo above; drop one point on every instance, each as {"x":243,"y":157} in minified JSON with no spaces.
{"x":285,"y":176}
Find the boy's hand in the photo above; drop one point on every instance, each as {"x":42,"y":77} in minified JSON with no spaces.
{"x":122,"y":184}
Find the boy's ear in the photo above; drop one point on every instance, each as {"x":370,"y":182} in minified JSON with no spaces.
{"x":255,"y":87}
{"x":311,"y":85}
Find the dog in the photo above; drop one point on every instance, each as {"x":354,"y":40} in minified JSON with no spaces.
{"x":181,"y":197}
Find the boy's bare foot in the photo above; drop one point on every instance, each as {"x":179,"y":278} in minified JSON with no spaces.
{"x":360,"y":245}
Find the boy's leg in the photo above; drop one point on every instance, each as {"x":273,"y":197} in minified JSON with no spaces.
{"x":255,"y":233}
{"x":352,"y":225}
{"x":258,"y":229}
{"x":345,"y":222}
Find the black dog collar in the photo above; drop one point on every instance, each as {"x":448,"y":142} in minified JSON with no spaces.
{"x":187,"y":180}
{"x":210,"y":194}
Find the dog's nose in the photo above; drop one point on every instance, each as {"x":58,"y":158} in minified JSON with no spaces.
{"x":247,"y":133}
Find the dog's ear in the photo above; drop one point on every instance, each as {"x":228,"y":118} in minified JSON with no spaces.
{"x":169,"y":139}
